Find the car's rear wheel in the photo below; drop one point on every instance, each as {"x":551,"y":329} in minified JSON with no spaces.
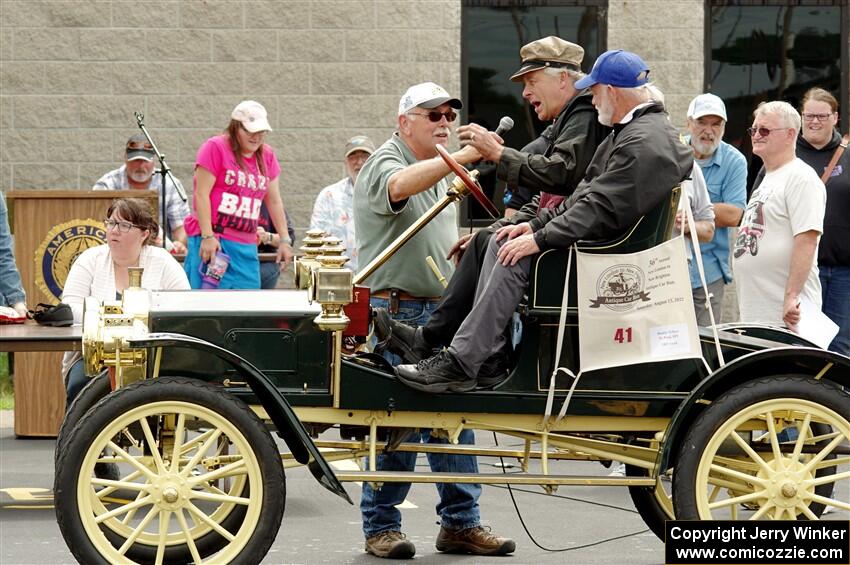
{"x":765,"y":449}
{"x":201,"y":479}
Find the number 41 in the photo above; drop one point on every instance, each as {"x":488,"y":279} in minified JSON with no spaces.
{"x":623,"y":335}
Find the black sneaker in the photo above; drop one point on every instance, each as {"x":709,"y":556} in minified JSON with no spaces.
{"x":405,"y":341}
{"x":439,"y":373}
{"x":493,"y":372}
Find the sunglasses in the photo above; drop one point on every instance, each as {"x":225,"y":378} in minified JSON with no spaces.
{"x":436,"y":116}
{"x":763,"y":132}
{"x":123,"y":227}
{"x":137,"y":145}
{"x":818,"y":117}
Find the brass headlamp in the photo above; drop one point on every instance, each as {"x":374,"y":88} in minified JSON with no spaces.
{"x":108,"y":326}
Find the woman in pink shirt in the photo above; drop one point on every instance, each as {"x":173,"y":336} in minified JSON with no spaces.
{"x":235,"y":173}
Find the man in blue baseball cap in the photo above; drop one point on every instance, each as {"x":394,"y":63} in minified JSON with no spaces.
{"x":632,"y":172}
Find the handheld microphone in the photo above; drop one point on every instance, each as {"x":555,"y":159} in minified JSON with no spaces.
{"x":505,"y":124}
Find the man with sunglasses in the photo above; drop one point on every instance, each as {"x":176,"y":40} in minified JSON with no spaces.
{"x":776,"y":249}
{"x":137,"y":173}
{"x":632,"y":172}
{"x":402,"y":179}
{"x":548,"y":71}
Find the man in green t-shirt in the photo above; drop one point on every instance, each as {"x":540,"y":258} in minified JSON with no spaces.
{"x":402,"y":179}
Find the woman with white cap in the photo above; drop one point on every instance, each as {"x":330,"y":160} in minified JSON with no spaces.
{"x":235,"y":173}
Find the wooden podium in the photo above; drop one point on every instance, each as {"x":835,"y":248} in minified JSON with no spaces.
{"x":51,"y":227}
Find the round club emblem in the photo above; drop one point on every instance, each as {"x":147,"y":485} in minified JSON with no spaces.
{"x":58,"y":251}
{"x":619,"y":287}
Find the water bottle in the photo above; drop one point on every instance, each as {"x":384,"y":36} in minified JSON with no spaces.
{"x":212,"y":272}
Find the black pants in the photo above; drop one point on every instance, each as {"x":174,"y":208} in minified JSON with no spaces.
{"x":459,"y":295}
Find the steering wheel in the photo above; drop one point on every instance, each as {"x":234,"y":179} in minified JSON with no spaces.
{"x":471,"y":184}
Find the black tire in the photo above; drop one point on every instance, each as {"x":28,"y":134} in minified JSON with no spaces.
{"x":799,"y":393}
{"x":95,"y":389}
{"x":148,"y":401}
{"x":647,"y":504}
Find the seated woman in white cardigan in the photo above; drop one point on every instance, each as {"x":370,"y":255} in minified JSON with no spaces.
{"x":102,"y":272}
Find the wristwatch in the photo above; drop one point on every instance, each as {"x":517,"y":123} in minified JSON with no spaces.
{"x":269,"y":238}
{"x":285,"y":240}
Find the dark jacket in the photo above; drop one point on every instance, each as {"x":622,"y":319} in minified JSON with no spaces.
{"x":632,"y":172}
{"x":833,"y":249}
{"x":576,"y":133}
{"x":522,"y":194}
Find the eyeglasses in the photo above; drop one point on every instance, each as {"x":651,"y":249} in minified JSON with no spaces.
{"x":123,"y":227}
{"x":436,"y":116}
{"x":818,"y":117}
{"x":763,"y":132}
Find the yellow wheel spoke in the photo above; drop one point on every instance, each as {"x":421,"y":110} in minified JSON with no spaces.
{"x":737,"y":500}
{"x":178,"y":442}
{"x":830,"y":501}
{"x":103,"y":493}
{"x":211,"y":497}
{"x":774,"y":441}
{"x":837,"y":462}
{"x":817,"y":481}
{"x":164,"y":519}
{"x":803,"y":430}
{"x":195,"y":511}
{"x":122,"y":509}
{"x":132,"y":513}
{"x":737,"y":474}
{"x":131,"y":460}
{"x":822,"y":453}
{"x":184,"y":527}
{"x":118,"y":484}
{"x":230,"y":470}
{"x":200,"y":453}
{"x":131,"y":539}
{"x":743,"y":444}
{"x":152,"y":444}
{"x":807,"y":512}
{"x":762,"y":511}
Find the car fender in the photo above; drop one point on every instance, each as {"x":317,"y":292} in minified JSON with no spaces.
{"x":819,"y":363}
{"x":289,"y":427}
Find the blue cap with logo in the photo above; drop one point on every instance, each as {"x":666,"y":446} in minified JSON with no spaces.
{"x":619,"y":68}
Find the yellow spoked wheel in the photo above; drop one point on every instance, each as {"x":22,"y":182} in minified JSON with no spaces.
{"x":169,"y":470}
{"x":768,"y":449}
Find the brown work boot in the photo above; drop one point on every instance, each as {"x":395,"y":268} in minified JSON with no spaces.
{"x":476,"y":541}
{"x":390,"y":544}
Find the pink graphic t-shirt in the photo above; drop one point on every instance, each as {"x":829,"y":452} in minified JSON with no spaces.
{"x":237,"y":194}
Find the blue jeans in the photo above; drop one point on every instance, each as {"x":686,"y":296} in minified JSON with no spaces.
{"x":835,"y":282}
{"x":458,"y":506}
{"x":269,"y":274}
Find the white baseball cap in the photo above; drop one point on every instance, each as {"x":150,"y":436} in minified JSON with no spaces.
{"x":252,"y":115}
{"x":707,"y":105}
{"x":426,"y":95}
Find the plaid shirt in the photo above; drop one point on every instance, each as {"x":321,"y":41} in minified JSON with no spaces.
{"x":175,"y":208}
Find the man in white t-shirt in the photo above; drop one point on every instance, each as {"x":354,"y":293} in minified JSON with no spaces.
{"x":776,"y":249}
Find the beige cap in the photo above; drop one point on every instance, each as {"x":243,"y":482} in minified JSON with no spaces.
{"x":359,"y":143}
{"x":549,"y":52}
{"x":252,"y":115}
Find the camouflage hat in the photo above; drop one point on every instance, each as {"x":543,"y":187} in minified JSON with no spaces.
{"x":549,"y":52}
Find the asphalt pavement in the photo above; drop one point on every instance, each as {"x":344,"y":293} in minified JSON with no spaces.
{"x":596,"y":525}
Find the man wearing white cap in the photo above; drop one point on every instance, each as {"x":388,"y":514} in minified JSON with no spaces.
{"x":725,"y":172}
{"x":402,"y":179}
{"x":137,"y":173}
{"x":333,"y":211}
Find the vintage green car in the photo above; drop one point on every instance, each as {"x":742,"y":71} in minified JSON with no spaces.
{"x":196,"y":382}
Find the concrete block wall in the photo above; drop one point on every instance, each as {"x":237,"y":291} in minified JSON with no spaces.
{"x":73,"y":72}
{"x":668,"y":34}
